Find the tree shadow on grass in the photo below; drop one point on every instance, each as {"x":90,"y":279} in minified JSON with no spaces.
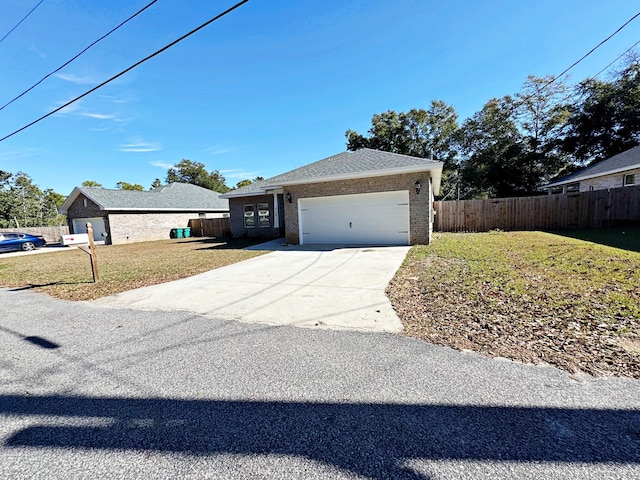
{"x":222,"y":243}
{"x":625,"y":238}
{"x":372,"y":440}
{"x":33,"y":286}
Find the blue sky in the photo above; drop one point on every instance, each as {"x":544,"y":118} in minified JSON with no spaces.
{"x":273,"y":85}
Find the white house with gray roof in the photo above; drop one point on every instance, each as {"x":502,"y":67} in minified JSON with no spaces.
{"x":360,"y":197}
{"x":127,"y":216}
{"x":622,"y":170}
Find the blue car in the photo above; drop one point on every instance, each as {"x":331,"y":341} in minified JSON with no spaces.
{"x":20,"y":241}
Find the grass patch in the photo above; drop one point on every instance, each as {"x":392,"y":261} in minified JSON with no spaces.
{"x":67,"y":274}
{"x":530,"y":296}
{"x":627,"y":238}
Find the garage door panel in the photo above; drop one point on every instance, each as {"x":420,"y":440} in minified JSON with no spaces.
{"x":97,"y":223}
{"x":373,"y":218}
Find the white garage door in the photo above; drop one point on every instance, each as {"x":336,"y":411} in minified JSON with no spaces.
{"x":97,"y":223}
{"x":370,"y":218}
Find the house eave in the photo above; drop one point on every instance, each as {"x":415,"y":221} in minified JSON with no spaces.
{"x":589,"y":177}
{"x":358,"y":175}
{"x":176,"y":209}
{"x":434,"y":168}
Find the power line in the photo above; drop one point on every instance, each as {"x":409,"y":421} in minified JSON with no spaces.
{"x":217,"y":17}
{"x":592,"y":50}
{"x":617,"y":58}
{"x":23,"y":19}
{"x":76,"y":56}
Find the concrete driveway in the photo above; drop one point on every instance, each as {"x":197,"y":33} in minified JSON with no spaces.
{"x":326,"y":287}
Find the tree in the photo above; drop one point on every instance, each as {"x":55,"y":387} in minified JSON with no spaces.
{"x":91,"y":183}
{"x":24,"y":204}
{"x":491,"y":142}
{"x":50,"y":204}
{"x":421,"y":133}
{"x":541,"y":116}
{"x":29,"y":200}
{"x":195,"y":173}
{"x":512,"y":145}
{"x":244,"y":183}
{"x":7,"y":201}
{"x":157,"y":183}
{"x":606,"y":118}
{"x":129,"y":186}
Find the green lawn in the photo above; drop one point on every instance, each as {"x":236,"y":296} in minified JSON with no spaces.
{"x":67,"y":274}
{"x":626,"y":238}
{"x":532,"y":296}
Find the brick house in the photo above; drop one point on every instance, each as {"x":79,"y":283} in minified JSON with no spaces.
{"x":622,"y":170}
{"x":361,"y":197}
{"x":128,"y":216}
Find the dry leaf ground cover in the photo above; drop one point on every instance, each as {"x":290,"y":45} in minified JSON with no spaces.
{"x":67,"y":274}
{"x":530,"y":296}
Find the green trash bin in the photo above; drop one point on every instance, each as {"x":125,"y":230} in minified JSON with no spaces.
{"x":173,"y":233}
{"x":180,"y":232}
{"x":187,"y":232}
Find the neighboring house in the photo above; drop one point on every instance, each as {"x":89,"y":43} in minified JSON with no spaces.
{"x":622,"y":170}
{"x":361,"y":197}
{"x":127,"y":216}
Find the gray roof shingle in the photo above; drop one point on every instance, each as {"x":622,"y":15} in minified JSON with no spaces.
{"x":175,"y":196}
{"x":626,"y":160}
{"x":359,"y":163}
{"x":364,"y":161}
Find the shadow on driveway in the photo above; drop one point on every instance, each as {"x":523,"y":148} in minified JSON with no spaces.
{"x":373,"y":440}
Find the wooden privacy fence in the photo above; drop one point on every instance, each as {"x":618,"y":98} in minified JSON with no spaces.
{"x":210,"y":227}
{"x":50,"y":234}
{"x":595,"y":209}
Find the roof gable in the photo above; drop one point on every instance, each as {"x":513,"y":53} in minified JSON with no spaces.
{"x":175,"y":196}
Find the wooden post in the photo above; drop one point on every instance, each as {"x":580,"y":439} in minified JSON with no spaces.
{"x":92,"y":254}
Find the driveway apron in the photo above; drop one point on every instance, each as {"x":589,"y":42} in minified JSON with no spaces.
{"x":332,"y":287}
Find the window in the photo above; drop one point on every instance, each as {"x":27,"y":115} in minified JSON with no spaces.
{"x":629,"y":180}
{"x":263,"y":214}
{"x":573,"y":187}
{"x":249,"y":217}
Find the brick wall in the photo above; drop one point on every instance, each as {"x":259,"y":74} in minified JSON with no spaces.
{"x":142,"y":227}
{"x":78,"y":210}
{"x":420,"y":206}
{"x":608,"y":181}
{"x":132,"y":227}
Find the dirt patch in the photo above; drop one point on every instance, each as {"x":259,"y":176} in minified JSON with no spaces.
{"x":519,"y":311}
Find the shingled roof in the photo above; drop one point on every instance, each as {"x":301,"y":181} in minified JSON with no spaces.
{"x":346,"y":165}
{"x":627,"y":160}
{"x":172,"y":197}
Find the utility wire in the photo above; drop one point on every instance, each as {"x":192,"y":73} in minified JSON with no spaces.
{"x":23,"y":19}
{"x":591,"y":51}
{"x":217,"y":17}
{"x":76,"y":56}
{"x":618,"y":58}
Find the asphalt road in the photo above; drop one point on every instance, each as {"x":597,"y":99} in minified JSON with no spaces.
{"x":94,"y":392}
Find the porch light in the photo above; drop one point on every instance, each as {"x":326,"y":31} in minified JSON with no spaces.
{"x":288,"y":197}
{"x":417,"y":184}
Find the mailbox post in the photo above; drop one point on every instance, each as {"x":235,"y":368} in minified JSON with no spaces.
{"x":92,"y":254}
{"x":80,"y":241}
